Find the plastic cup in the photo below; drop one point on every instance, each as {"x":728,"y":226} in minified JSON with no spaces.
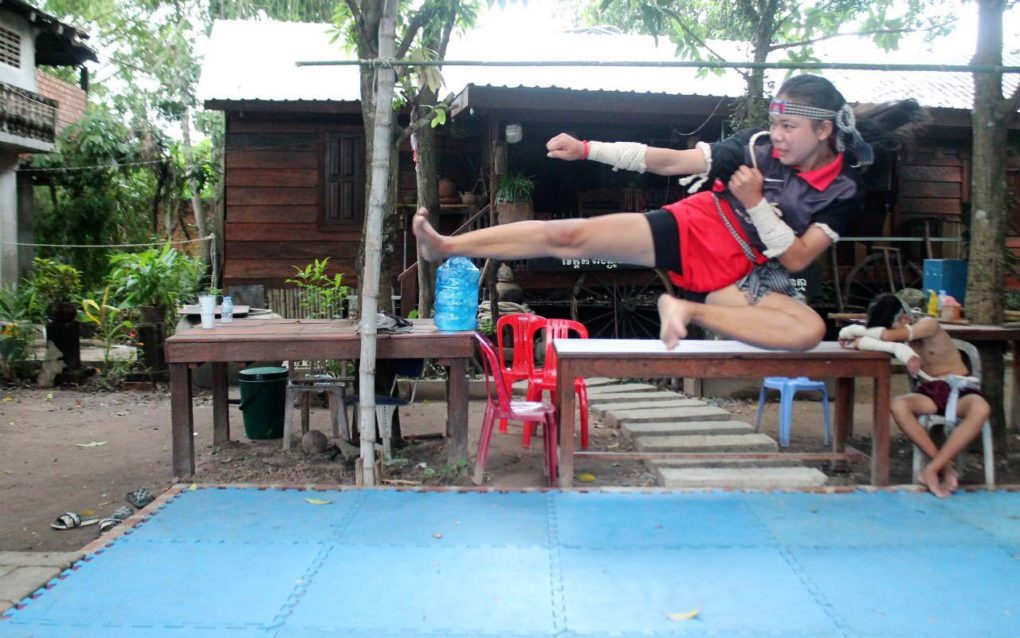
{"x":207,"y":304}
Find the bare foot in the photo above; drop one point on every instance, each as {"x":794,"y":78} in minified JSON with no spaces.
{"x":674,"y":315}
{"x":429,"y":241}
{"x":950,"y":479}
{"x":930,"y":479}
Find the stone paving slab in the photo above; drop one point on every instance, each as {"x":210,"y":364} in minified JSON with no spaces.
{"x":661,"y":463}
{"x":39,"y":559}
{"x":687,"y":427}
{"x":622,"y":387}
{"x":650,"y":397}
{"x":22,"y":581}
{"x":707,"y":413}
{"x":743,"y":478}
{"x":707,"y":443}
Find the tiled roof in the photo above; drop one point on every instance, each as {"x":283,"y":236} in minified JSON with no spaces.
{"x":255,"y":61}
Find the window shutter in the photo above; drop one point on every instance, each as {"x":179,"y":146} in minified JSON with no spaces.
{"x":344,"y":176}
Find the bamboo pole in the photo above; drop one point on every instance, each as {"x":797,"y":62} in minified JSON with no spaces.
{"x":380,"y":163}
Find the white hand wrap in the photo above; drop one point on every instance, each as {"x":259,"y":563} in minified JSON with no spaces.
{"x":855,"y":331}
{"x":901,"y":351}
{"x":774,"y":233}
{"x":629,"y":156}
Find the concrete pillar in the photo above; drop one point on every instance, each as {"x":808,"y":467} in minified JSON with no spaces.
{"x":8,"y":218}
{"x":26,"y":234}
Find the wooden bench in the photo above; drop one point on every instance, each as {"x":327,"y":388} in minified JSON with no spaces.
{"x":646,"y":358}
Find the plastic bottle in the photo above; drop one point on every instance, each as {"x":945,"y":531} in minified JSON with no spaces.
{"x":457,"y":295}
{"x":942,"y":301}
{"x":933,"y":304}
{"x":227,"y":310}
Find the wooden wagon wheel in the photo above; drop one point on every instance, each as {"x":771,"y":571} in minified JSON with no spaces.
{"x":619,"y":304}
{"x":880,"y":272}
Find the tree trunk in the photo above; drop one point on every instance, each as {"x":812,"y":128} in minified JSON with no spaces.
{"x":369,"y":282}
{"x":988,"y":205}
{"x":427,"y":177}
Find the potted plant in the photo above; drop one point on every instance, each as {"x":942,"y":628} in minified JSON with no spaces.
{"x":513,"y":198}
{"x":154,"y":280}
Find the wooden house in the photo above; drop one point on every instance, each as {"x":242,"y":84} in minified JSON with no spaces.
{"x":295,"y":163}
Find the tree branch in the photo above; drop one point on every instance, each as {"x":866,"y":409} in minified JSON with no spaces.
{"x":810,"y":41}
{"x":421,"y":17}
{"x":355,"y":10}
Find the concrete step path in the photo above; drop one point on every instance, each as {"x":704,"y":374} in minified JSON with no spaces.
{"x":21,"y":573}
{"x":649,"y":397}
{"x":617,"y":388}
{"x":761,"y":478}
{"x":669,"y":406}
{"x":724,"y":463}
{"x":619,"y":418}
{"x":672,"y":428}
{"x":695,"y":443}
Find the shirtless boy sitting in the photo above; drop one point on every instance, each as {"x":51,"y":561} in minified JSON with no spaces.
{"x":929,"y":353}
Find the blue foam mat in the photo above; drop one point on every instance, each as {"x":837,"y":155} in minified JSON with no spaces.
{"x":375,"y":563}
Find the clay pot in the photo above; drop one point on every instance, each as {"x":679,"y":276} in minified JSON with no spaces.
{"x":467,"y":198}
{"x":447,"y":189}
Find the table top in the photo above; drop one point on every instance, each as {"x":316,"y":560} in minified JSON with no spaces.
{"x":698,"y":348}
{"x":267,"y":339}
{"x":966,"y":331}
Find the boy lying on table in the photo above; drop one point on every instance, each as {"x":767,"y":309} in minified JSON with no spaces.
{"x":929,"y":354}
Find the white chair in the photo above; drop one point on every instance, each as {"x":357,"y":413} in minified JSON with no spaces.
{"x":948,"y":421}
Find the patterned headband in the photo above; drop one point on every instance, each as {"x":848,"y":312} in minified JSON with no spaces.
{"x":845,"y":122}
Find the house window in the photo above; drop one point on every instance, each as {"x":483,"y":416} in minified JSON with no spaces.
{"x":344,"y":178}
{"x":10,"y":48}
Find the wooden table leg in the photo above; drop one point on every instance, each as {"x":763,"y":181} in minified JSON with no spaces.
{"x":880,"y":429}
{"x":221,"y":418}
{"x":457,"y":409}
{"x":844,"y":413}
{"x":565,"y":414}
{"x":181,"y":422}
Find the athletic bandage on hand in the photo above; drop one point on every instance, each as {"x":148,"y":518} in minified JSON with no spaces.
{"x":629,"y":156}
{"x":774,"y":233}
{"x":901,"y":351}
{"x":856,"y":331}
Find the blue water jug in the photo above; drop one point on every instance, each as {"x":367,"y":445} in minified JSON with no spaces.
{"x":457,"y":295}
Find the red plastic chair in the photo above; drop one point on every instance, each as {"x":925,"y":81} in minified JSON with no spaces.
{"x":523,"y":327}
{"x":545,"y":378}
{"x":499,"y":406}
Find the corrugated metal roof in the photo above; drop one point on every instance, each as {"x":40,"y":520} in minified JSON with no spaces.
{"x":256,"y":61}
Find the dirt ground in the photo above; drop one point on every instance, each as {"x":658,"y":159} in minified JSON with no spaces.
{"x":74,"y":450}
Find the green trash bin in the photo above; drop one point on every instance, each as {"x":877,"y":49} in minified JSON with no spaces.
{"x":263,"y":401}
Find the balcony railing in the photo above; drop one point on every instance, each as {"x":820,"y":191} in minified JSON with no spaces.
{"x":27,"y":114}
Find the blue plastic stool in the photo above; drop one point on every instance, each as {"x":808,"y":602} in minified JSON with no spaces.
{"x":788,"y":387}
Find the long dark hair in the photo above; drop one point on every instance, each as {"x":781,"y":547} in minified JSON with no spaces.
{"x":885,"y":309}
{"x":886,"y":127}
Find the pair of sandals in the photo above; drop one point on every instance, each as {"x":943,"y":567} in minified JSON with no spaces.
{"x":138,"y":498}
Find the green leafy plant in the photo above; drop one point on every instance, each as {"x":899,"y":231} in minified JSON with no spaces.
{"x":18,"y":310}
{"x":110,"y":323}
{"x":514,"y":187}
{"x":54,"y":282}
{"x":322,"y":294}
{"x":154,"y":277}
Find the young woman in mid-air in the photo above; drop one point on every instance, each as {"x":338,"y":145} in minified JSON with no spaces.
{"x":777,"y":200}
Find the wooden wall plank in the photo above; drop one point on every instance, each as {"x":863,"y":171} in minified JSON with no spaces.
{"x":274,"y":142}
{"x":278,"y":268}
{"x":273,"y":196}
{"x":929,"y":206}
{"x":912,"y":172}
{"x":286,"y":232}
{"x":930,"y":189}
{"x":273,"y":214}
{"x":268,"y":177}
{"x":298,"y":250}
{"x":271,"y":159}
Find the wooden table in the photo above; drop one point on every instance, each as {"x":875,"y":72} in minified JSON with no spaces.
{"x":301,"y":340}
{"x":646,"y":358}
{"x":991,"y":342}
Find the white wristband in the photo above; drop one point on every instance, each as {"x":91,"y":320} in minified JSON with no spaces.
{"x":774,"y":233}
{"x":629,"y":156}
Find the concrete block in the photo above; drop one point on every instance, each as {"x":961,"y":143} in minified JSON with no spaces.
{"x":687,"y":427}
{"x":24,"y":580}
{"x":707,"y":413}
{"x":636,"y":397}
{"x":763,"y":478}
{"x":695,"y":443}
{"x":655,"y":465}
{"x":622,"y":387}
{"x":62,"y":560}
{"x":629,"y":408}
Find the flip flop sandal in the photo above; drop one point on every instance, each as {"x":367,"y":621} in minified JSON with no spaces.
{"x":115,"y":519}
{"x":140,"y":497}
{"x":70,"y":520}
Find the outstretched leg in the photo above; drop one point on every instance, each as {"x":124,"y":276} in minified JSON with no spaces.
{"x":905,"y":409}
{"x":622,"y":237}
{"x":777,"y":321}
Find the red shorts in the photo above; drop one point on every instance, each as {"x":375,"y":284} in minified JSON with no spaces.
{"x":939,"y":391}
{"x":710,"y":257}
